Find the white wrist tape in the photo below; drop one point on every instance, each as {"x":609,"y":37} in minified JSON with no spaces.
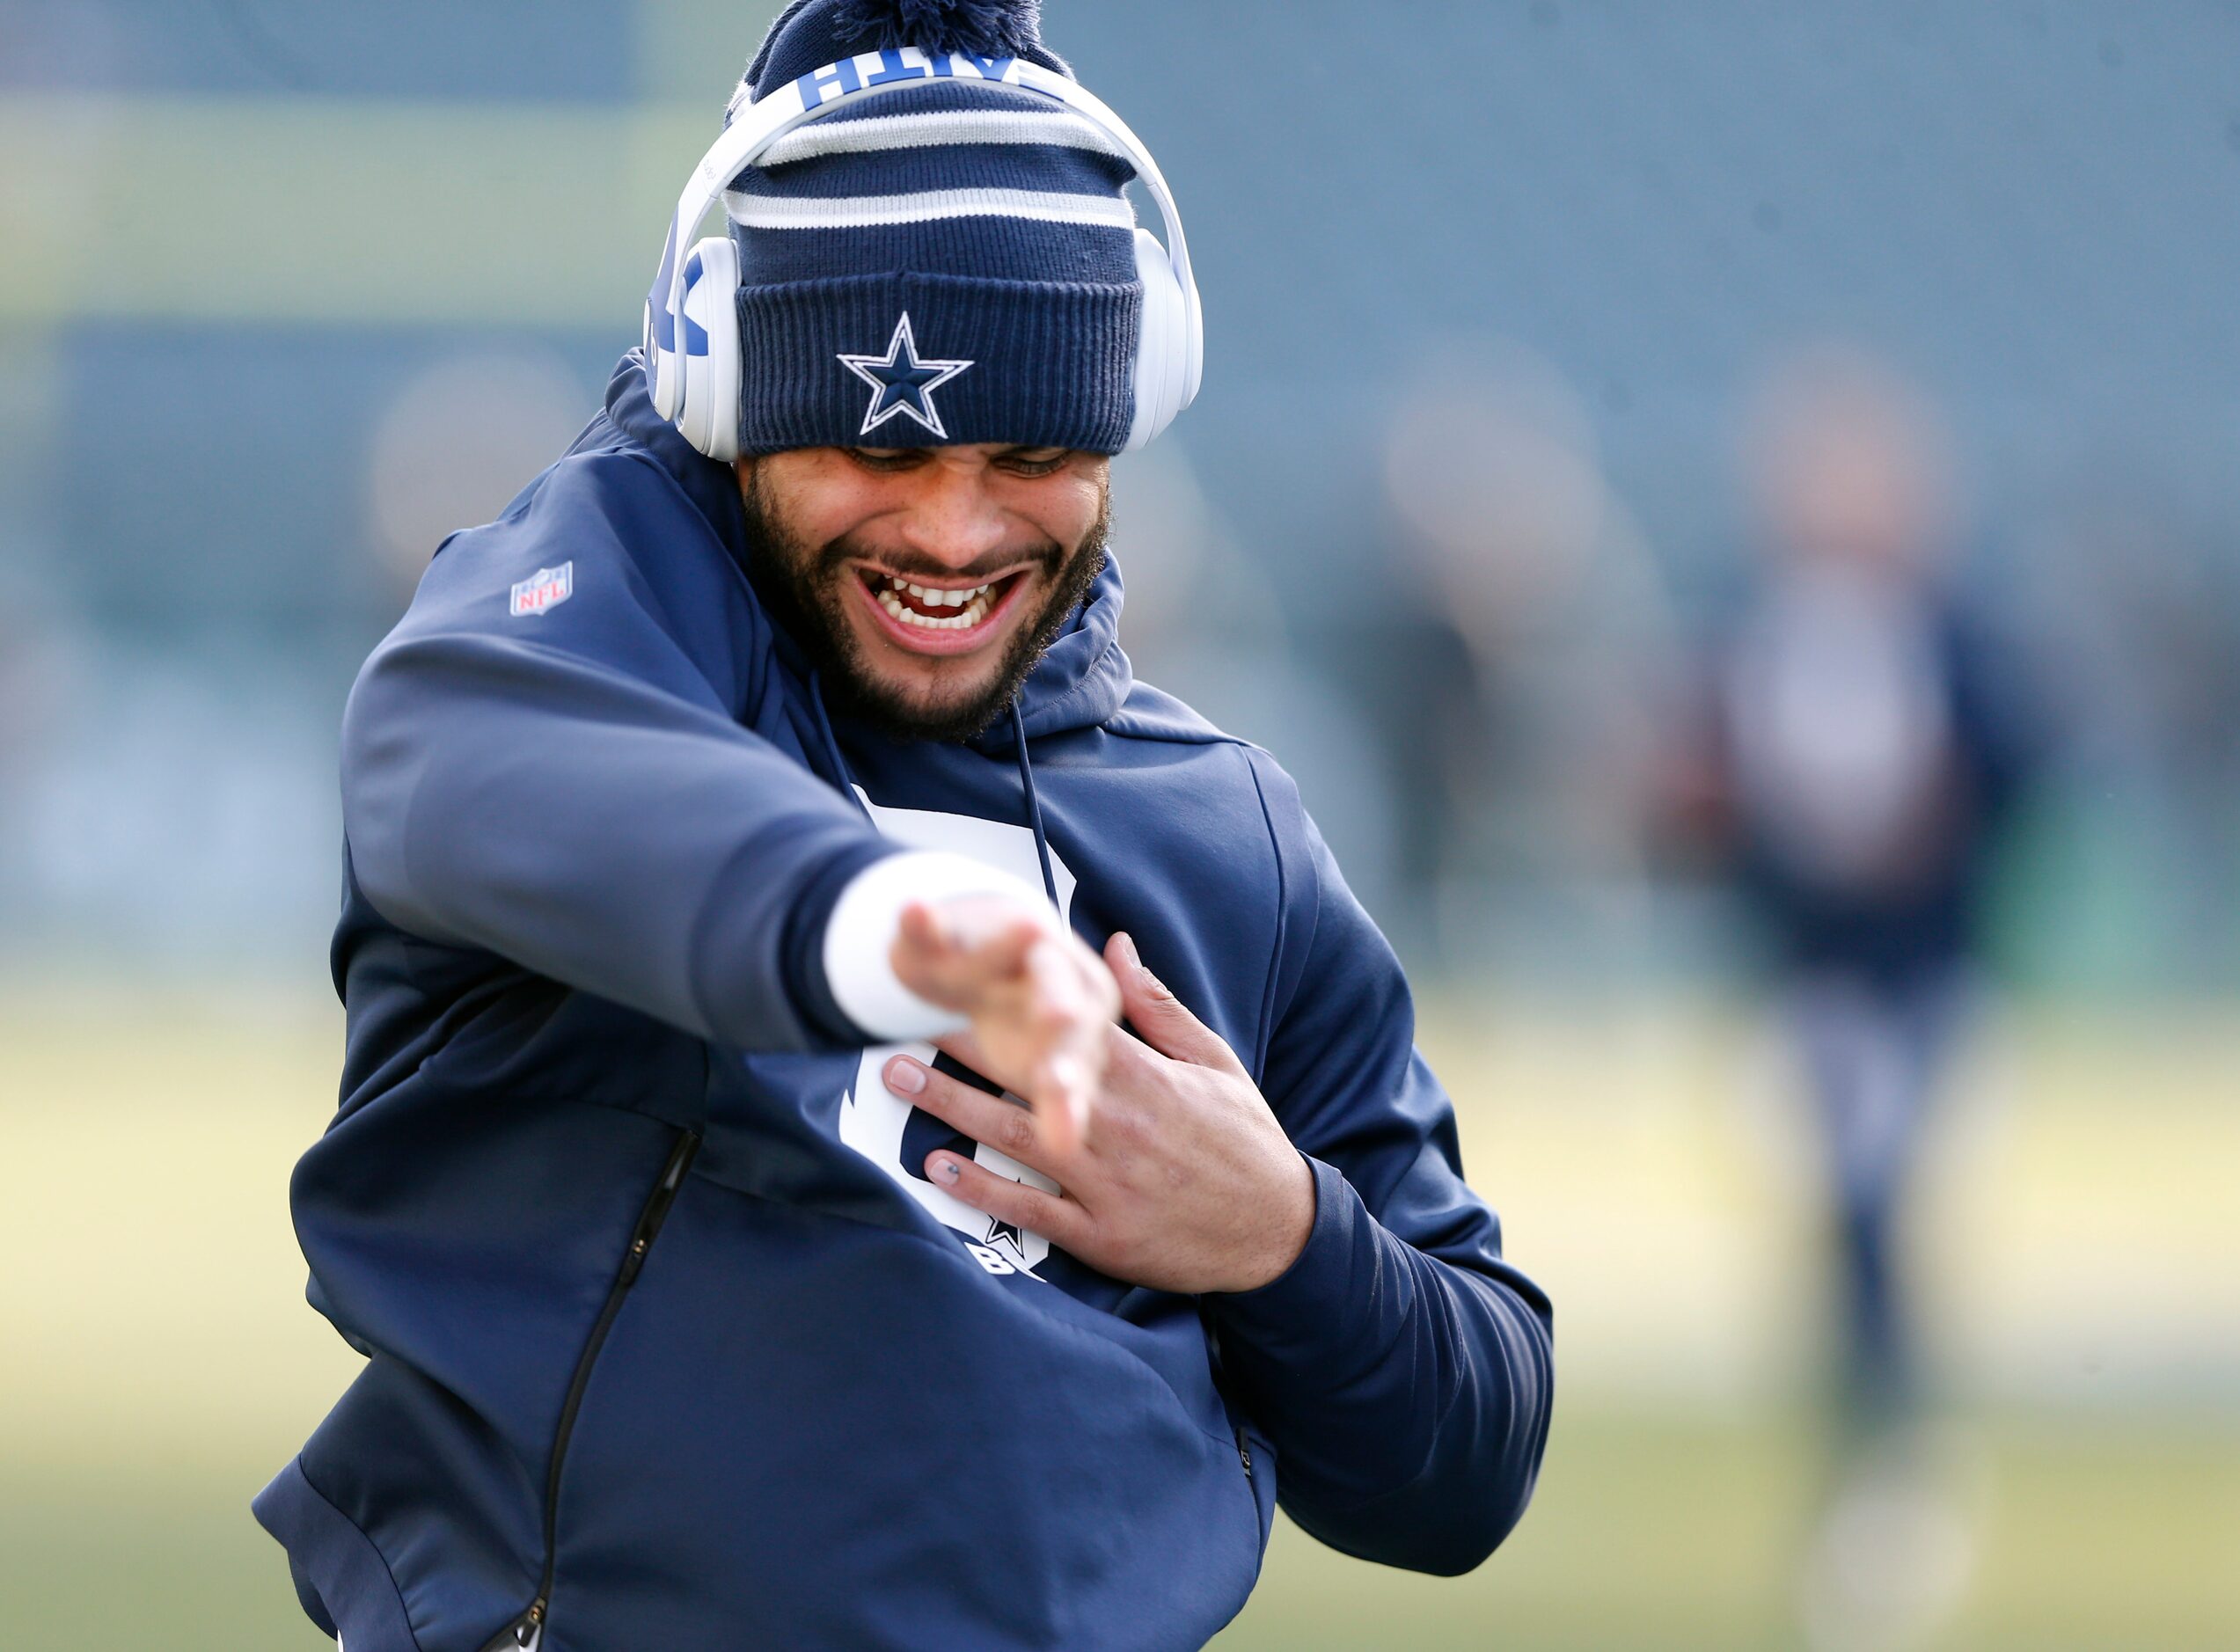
{"x":865,"y":920}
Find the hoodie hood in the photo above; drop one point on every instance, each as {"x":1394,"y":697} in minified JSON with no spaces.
{"x":1079,"y":682}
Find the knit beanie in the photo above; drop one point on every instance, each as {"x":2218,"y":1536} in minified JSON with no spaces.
{"x":951,"y":261}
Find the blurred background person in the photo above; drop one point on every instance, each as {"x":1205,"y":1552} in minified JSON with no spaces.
{"x":1516,"y":683}
{"x":1867,"y":741}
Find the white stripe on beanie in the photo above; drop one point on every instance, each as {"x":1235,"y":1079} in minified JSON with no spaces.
{"x":935,"y":129}
{"x":849,"y":212}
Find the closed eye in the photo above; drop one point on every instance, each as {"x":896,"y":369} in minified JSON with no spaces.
{"x":1033,"y":461}
{"x":889,"y":461}
{"x":1022,"y":462}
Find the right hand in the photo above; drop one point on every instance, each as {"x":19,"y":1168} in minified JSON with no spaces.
{"x":1039,"y":999}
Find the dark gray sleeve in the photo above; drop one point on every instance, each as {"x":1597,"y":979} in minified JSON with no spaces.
{"x":569,"y":792}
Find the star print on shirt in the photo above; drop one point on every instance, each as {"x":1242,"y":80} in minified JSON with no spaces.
{"x":902,"y":381}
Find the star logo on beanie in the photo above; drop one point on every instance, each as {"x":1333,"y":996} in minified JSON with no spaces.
{"x":902,"y":381}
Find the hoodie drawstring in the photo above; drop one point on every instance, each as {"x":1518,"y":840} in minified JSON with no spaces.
{"x":832,"y":745}
{"x":1034,"y":805}
{"x":1026,"y":778}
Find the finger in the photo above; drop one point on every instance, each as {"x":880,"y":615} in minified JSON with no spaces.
{"x":925,"y":958}
{"x":1053,"y":1099}
{"x":1072,"y":1067}
{"x":1056,"y":1219}
{"x":922,"y":927}
{"x":1163,"y":1020}
{"x":954,"y":955}
{"x":952,"y":925}
{"x":1101,"y":984}
{"x":1006,"y":1127}
{"x":962,"y":1046}
{"x":993,"y":924}
{"x":1060,"y":1096}
{"x":1041,"y":1036}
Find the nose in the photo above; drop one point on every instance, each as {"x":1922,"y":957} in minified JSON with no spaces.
{"x":954,"y":515}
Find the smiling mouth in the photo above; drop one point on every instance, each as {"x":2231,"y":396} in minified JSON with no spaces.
{"x":935,"y":608}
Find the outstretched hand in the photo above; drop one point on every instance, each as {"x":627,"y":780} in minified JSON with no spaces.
{"x":1184,"y":1180}
{"x":1040,"y":1002}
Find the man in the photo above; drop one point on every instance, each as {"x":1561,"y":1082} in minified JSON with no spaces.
{"x":1871,"y":742}
{"x":705,"y":1305}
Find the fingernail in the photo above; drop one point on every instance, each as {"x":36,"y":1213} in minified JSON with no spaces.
{"x":1128,"y":950}
{"x":905,"y":1076}
{"x":949,"y":1170}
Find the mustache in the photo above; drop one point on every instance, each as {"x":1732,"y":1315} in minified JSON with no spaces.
{"x":1048,"y":558}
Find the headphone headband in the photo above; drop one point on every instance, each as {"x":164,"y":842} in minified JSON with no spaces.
{"x":756,"y":126}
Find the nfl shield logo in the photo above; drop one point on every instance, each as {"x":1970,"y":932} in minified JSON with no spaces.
{"x":546,"y":588}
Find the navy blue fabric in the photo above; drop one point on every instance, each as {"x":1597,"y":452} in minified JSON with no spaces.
{"x":584,"y":850}
{"x":987,"y":249}
{"x":1052,"y":168}
{"x":351,"y":1572}
{"x":1052,"y":363}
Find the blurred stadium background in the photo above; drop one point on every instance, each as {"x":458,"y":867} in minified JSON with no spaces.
{"x":288,"y":290}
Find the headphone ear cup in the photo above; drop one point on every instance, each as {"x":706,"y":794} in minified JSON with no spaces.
{"x":709,"y":350}
{"x":1193,"y":350}
{"x":1163,"y":368}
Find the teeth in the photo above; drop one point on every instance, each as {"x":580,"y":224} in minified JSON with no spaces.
{"x":933,"y":596}
{"x":975,"y":608}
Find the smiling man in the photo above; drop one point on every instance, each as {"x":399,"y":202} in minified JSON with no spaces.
{"x":927,"y":582}
{"x":863,"y":1126}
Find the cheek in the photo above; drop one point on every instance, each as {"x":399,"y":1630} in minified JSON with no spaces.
{"x":816,"y":500}
{"x":820,"y":519}
{"x":1066,"y":513}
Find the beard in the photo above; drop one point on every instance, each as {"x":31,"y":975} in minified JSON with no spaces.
{"x":805,"y":588}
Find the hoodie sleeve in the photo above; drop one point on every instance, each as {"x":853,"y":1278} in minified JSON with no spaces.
{"x":1400,"y":1368}
{"x":565,"y":782}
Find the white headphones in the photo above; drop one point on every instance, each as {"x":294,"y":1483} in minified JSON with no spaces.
{"x":695,"y":301}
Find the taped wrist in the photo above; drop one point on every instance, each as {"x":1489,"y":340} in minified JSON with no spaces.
{"x":860,"y":933}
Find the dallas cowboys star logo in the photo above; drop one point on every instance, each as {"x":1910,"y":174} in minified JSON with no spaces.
{"x":901,"y":382}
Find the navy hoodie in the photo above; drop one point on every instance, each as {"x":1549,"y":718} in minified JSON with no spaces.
{"x":670,"y":1344}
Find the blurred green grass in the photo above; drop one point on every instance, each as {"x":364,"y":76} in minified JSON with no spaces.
{"x":158,"y":1362}
{"x":1653,"y":1532}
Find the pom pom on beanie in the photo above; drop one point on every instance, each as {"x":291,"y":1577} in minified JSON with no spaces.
{"x":810,"y":34}
{"x":990,"y":28}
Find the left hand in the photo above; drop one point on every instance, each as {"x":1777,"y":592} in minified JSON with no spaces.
{"x":1185,"y":1181}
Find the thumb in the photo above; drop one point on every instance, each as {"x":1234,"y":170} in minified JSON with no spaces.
{"x":1163,"y":1020}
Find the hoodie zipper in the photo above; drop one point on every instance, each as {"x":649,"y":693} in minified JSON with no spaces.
{"x":526,"y":1630}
